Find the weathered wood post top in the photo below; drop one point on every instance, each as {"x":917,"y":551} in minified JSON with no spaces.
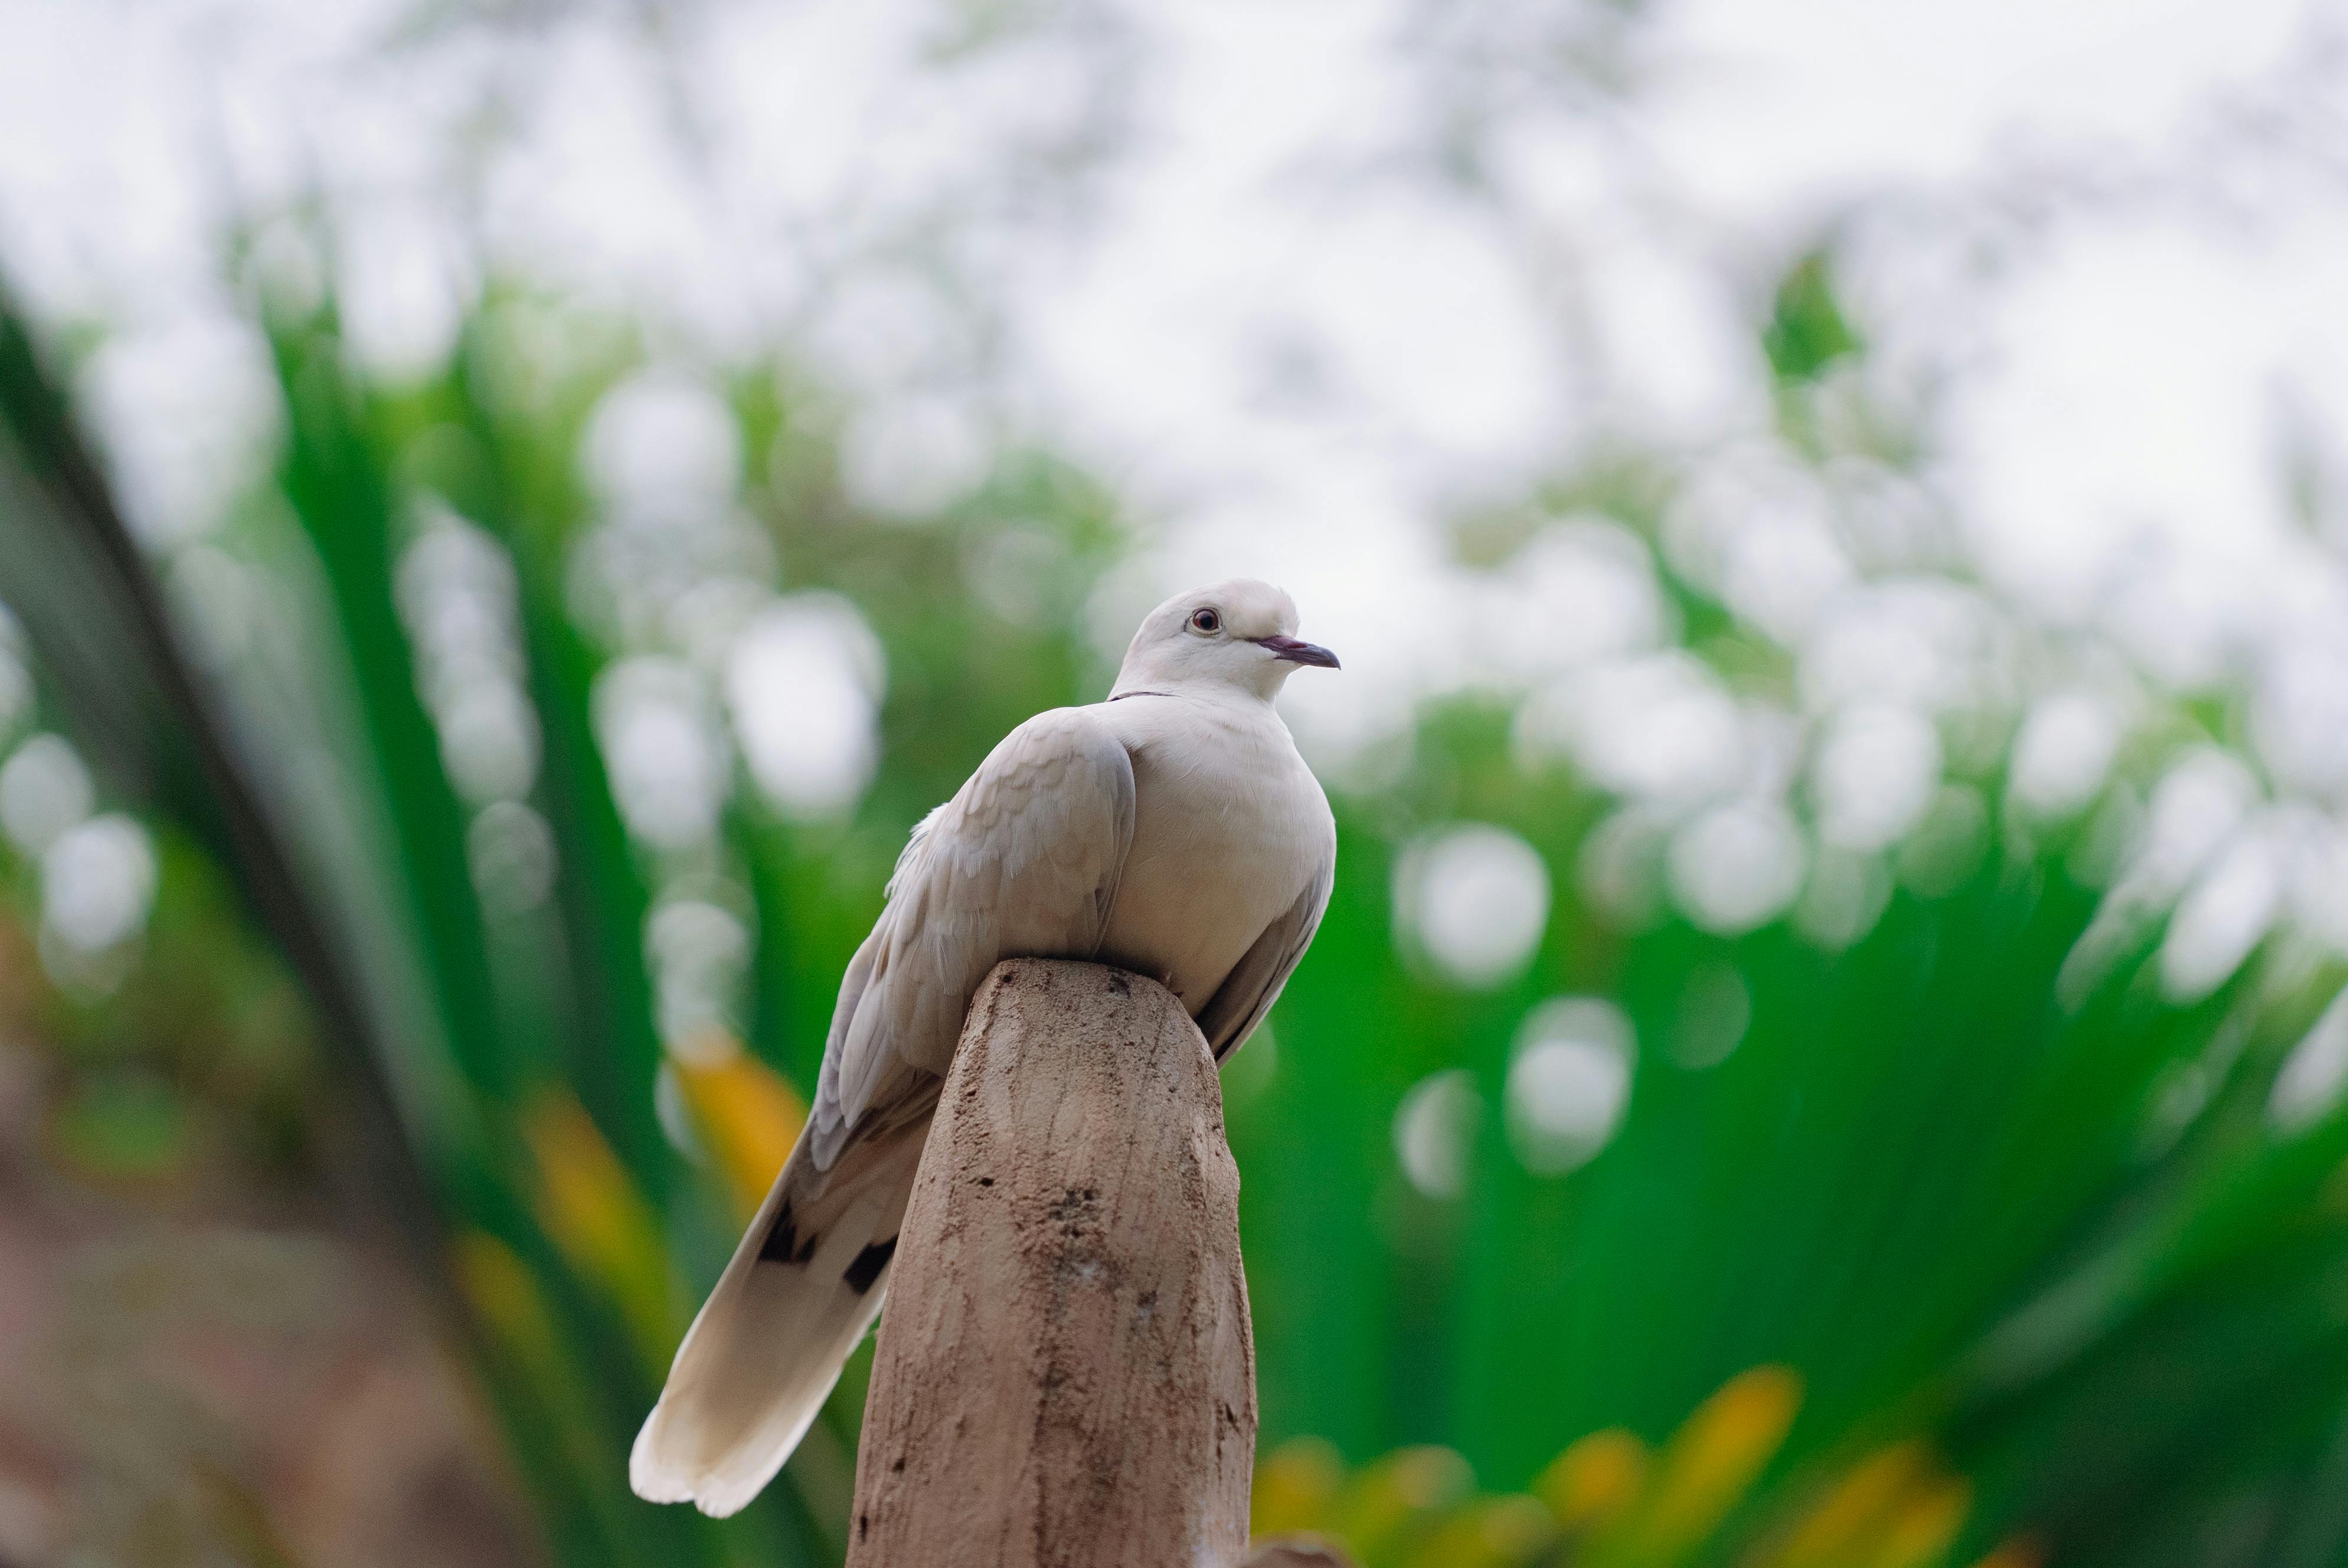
{"x":1065,"y":1373}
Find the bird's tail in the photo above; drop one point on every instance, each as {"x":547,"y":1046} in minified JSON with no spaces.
{"x":768,"y":1345}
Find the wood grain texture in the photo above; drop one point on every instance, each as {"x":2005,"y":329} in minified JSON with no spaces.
{"x":1066,"y":1373}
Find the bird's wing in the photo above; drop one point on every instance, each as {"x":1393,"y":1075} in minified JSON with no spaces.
{"x":1023,"y":862}
{"x":1247,"y":994}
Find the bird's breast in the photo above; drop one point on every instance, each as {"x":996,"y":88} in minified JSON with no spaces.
{"x":1228,"y":827}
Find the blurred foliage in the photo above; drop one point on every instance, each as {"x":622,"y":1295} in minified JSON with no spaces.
{"x":1807,"y":331}
{"x":1611,"y":1500}
{"x":1937,"y":1228}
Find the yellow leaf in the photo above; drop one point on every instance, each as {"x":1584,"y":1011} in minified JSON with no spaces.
{"x":1295,"y":1487}
{"x":1897,"y":1507}
{"x":587,"y":1204}
{"x":1491,"y":1532}
{"x":1595,"y":1480}
{"x":498,"y":1286}
{"x":1926,"y":1525}
{"x":1391,"y":1501}
{"x":1854,"y":1508}
{"x":520,"y":1324}
{"x":1710,"y":1462}
{"x":749,"y":1115}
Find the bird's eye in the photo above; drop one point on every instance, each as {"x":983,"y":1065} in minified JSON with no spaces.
{"x":1206,"y":620}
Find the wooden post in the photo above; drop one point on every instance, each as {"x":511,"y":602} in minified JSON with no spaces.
{"x":1066,"y":1374}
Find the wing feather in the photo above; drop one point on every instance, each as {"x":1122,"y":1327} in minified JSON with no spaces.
{"x":1023,"y":862}
{"x":1247,"y":993}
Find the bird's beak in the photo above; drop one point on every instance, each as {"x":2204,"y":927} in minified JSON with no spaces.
{"x":1297,"y":653}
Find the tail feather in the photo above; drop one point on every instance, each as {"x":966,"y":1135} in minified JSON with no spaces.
{"x":803,"y":1288}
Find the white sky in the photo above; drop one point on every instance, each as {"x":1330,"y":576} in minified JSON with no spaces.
{"x":1209,"y":253}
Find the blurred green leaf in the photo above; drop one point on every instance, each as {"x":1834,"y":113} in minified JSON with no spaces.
{"x":1807,"y":332}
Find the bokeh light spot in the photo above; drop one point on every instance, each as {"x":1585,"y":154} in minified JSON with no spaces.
{"x":698,"y":951}
{"x":1845,"y":896}
{"x":2220,"y":920}
{"x":1435,"y":1132}
{"x":804,"y":685}
{"x":662,"y":745}
{"x":2308,"y":1086}
{"x":43,"y":790}
{"x":16,"y":688}
{"x":1736,"y":867}
{"x":2063,"y":752}
{"x":662,"y":443}
{"x":1660,"y":727}
{"x":98,"y":883}
{"x":1568,"y":1082}
{"x":1621,"y":866}
{"x":512,"y":854}
{"x":1715,"y":1008}
{"x":1875,"y":775}
{"x":1477,"y":899}
{"x":910,"y":457}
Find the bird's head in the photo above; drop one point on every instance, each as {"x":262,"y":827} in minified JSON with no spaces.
{"x":1240,"y":633}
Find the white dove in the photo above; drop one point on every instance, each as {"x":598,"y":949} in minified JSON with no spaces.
{"x":1172,"y":830}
